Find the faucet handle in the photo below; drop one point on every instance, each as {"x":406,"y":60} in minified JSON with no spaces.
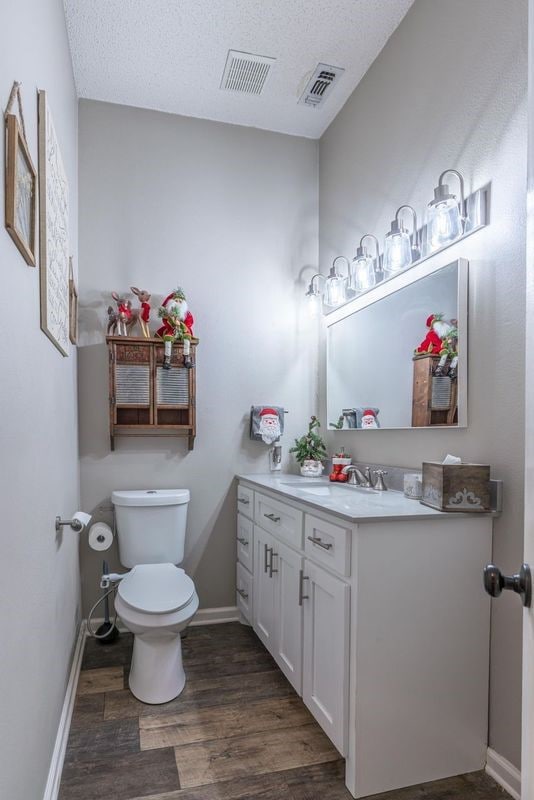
{"x":380,"y":485}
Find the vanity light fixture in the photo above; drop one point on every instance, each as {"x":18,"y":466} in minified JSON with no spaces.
{"x":399,"y":250}
{"x":364,"y":266}
{"x":445,"y":213}
{"x":335,"y":289}
{"x":315,"y":295}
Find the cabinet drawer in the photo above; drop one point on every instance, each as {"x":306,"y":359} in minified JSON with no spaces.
{"x":245,"y":501}
{"x":244,"y":591}
{"x":278,"y":518}
{"x":327,"y":544}
{"x":245,"y":542}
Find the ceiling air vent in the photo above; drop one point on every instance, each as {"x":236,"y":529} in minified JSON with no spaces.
{"x":320,"y":85}
{"x":246,"y":72}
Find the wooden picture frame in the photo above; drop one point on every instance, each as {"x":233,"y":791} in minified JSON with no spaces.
{"x":53,"y":233}
{"x":20,"y":191}
{"x":73,"y":306}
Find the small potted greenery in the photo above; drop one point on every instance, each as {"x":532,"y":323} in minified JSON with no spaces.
{"x":310,"y":451}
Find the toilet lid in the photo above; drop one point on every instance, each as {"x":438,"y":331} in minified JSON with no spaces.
{"x":156,"y":588}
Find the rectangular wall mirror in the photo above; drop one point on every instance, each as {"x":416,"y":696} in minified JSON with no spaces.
{"x":372,"y":363}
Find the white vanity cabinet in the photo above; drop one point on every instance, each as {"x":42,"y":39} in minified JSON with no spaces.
{"x":377,"y":616}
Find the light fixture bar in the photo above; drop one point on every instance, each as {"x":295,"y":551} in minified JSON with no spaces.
{"x":476,"y":206}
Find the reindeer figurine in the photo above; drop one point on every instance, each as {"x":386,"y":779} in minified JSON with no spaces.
{"x":141,"y":315}
{"x":118,"y":320}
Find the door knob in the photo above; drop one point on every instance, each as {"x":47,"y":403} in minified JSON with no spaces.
{"x":521,"y":583}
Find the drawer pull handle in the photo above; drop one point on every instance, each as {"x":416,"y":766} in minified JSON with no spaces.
{"x":265,"y":560}
{"x":319,"y":542}
{"x":302,"y":578}
{"x":243,"y":594}
{"x":243,"y":541}
{"x":271,"y":570}
{"x":243,"y":500}
{"x":272,"y":517}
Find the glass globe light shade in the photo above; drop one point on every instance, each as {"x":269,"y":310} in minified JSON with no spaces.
{"x":362,"y":273}
{"x":314,"y":304}
{"x":444,"y":222}
{"x":397,"y":249}
{"x":335,"y":291}
{"x":335,"y":288}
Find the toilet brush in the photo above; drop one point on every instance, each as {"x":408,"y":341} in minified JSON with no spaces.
{"x":108,"y":631}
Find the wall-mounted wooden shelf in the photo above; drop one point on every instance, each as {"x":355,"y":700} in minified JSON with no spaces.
{"x":144,"y":398}
{"x":430,"y":406}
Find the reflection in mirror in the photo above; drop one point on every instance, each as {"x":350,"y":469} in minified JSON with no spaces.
{"x":399,"y":360}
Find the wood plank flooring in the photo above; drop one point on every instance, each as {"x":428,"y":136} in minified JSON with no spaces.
{"x":237,"y":732}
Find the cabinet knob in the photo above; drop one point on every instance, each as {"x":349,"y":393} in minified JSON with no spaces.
{"x":243,"y":541}
{"x":243,"y":594}
{"x":272,"y":517}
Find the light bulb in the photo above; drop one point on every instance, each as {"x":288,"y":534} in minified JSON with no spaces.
{"x":314,"y":305}
{"x":335,"y":291}
{"x":362,"y":274}
{"x":397,"y":250}
{"x":445,"y":222}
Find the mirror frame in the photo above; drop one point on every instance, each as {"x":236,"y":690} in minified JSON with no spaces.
{"x":392,"y":286}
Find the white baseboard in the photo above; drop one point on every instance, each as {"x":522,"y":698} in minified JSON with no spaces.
{"x":212,"y":616}
{"x":504,"y":773}
{"x":60,"y":746}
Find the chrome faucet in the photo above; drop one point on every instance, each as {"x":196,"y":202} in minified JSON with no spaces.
{"x":357,"y":477}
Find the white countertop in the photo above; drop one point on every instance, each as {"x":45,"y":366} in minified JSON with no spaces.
{"x":349,"y":502}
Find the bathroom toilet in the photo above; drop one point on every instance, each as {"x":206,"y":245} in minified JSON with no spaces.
{"x":156,"y":600}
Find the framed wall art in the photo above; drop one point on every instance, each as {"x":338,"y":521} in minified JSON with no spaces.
{"x":21,"y":185}
{"x":53,"y":233}
{"x":73,"y":306}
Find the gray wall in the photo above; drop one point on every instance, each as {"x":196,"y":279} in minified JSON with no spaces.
{"x":39,"y":611}
{"x":449,"y":90}
{"x":231,"y":214}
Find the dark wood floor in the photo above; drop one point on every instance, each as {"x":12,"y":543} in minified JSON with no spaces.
{"x":237,"y":732}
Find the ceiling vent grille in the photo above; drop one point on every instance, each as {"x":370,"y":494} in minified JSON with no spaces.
{"x":246,"y":72}
{"x":320,"y":85}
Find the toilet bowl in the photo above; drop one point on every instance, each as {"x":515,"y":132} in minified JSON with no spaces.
{"x":156,"y":602}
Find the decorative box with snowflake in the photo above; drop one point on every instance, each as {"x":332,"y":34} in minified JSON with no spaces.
{"x":456,"y":487}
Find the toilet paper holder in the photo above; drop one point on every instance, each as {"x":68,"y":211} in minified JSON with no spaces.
{"x":77,"y":523}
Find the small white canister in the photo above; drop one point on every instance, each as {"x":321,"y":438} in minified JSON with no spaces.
{"x":413,"y":485}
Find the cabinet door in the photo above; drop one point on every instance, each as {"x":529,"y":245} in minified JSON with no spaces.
{"x":288,"y":613}
{"x":264,"y":589}
{"x":326,"y":649}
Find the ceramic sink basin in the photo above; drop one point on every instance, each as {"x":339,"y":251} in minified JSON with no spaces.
{"x":325,"y":491}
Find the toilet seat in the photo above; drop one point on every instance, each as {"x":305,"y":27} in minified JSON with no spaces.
{"x":156,"y":588}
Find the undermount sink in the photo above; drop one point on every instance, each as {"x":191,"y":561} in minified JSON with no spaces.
{"x":325,"y":491}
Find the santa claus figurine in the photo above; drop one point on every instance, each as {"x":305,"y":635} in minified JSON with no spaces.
{"x":369,"y":419}
{"x":177,"y":326}
{"x":439,"y":330}
{"x":269,"y":427}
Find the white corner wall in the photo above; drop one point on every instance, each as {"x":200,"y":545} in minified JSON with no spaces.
{"x":40,"y":609}
{"x":449,"y":90}
{"x":231,"y":214}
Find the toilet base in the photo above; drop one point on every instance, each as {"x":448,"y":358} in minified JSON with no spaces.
{"x":157,"y":673}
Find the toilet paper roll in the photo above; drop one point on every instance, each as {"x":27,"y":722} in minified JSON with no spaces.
{"x":100,"y":536}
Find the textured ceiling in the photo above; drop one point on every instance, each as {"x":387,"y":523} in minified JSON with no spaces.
{"x":170,"y":54}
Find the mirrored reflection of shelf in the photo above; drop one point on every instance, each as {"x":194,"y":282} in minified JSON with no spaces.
{"x":477,"y":213}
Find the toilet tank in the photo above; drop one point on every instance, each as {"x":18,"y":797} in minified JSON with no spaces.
{"x":151,"y":525}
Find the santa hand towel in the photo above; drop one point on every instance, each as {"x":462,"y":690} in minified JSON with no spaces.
{"x":266,"y":423}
